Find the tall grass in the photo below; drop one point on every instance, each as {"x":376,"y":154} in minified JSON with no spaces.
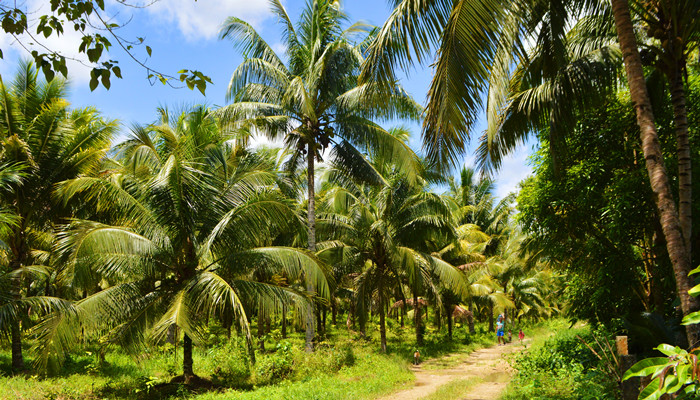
{"x":345,"y":366}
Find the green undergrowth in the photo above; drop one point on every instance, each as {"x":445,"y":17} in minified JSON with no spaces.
{"x":559,"y":366}
{"x":344,"y":366}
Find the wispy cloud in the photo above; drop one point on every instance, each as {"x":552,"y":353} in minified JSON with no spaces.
{"x":65,"y":44}
{"x":202,"y":19}
{"x":514,"y":169}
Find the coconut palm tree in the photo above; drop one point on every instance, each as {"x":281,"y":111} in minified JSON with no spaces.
{"x":53,"y":144}
{"x":189,"y":223}
{"x":547,"y":91}
{"x":471,"y":37}
{"x":658,"y":176}
{"x":385,"y":234}
{"x":18,"y":310}
{"x":673,"y":27}
{"x":313,"y":101}
{"x":474,"y":203}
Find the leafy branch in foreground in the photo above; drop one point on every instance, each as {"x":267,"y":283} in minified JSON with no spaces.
{"x":676,"y":374}
{"x":88,"y":18}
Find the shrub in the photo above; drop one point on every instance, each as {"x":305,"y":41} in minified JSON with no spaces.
{"x":275,"y":367}
{"x":561,"y":368}
{"x":231,"y":363}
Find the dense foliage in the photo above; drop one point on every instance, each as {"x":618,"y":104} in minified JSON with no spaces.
{"x":598,"y":218}
{"x":563,"y":367}
{"x":185,"y":239}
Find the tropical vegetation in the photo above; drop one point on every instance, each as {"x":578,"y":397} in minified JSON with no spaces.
{"x":177,"y":258}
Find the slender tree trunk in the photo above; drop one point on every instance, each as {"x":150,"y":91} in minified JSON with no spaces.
{"x":16,"y":290}
{"x":491,"y":327}
{"x":284,"y":321}
{"x":187,"y":363}
{"x":449,"y":324}
{"x":470,"y":319}
{"x":680,"y":122}
{"x":658,"y":177}
{"x":17,"y":358}
{"x":417,"y":320}
{"x":659,"y":295}
{"x":319,"y":323}
{"x":311,"y":157}
{"x":382,"y":322}
{"x":437,"y":318}
{"x":334,"y":312}
{"x":261,"y":329}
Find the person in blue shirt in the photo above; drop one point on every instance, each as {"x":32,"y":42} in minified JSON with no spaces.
{"x":499,"y":330}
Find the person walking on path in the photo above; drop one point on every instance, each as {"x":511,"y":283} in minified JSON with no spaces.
{"x":499,"y":330}
{"x":521,"y":336}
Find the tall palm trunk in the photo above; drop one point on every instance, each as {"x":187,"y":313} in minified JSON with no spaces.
{"x":310,"y":331}
{"x":261,"y":329}
{"x":284,"y":321}
{"x":334,"y":311}
{"x":658,"y":177}
{"x":680,"y":121}
{"x":17,"y":358}
{"x":491,"y":327}
{"x":449,"y":324}
{"x":382,"y":321}
{"x":187,"y":363}
{"x":15,"y":329}
{"x":471,"y":319}
{"x":417,"y":319}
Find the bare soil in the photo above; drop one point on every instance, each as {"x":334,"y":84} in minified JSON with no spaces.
{"x":488,"y":366}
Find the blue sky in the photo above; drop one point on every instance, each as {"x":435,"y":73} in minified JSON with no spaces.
{"x":183,"y":34}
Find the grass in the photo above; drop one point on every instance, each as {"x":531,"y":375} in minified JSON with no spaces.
{"x":372,"y":376}
{"x":453,"y":390}
{"x":345,"y":366}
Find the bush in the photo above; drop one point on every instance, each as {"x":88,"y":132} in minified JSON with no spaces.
{"x":563,"y":351}
{"x":231,"y":364}
{"x":275,"y":367}
{"x":326,"y":359}
{"x":561,"y":368}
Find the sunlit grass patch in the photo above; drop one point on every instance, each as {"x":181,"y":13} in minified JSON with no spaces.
{"x":453,"y":390}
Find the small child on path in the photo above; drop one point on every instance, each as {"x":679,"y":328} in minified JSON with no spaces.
{"x":521,"y":336}
{"x":416,"y":357}
{"x":510,"y":336}
{"x":500,"y":323}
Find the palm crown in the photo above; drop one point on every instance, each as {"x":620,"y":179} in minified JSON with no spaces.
{"x":192,"y":218}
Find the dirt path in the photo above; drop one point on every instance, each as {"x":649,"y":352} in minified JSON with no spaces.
{"x":487,"y":365}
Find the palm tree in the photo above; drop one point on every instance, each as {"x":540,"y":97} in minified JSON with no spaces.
{"x":190,"y":223}
{"x":314,"y":101}
{"x":658,"y":176}
{"x":385,"y":233}
{"x":674,"y":27}
{"x":476,"y":41}
{"x":562,"y":76}
{"x":52,"y":144}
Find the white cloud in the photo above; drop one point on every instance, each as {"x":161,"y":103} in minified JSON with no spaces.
{"x":514,"y":169}
{"x":66,"y":44}
{"x":279,"y":48}
{"x":202,"y":19}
